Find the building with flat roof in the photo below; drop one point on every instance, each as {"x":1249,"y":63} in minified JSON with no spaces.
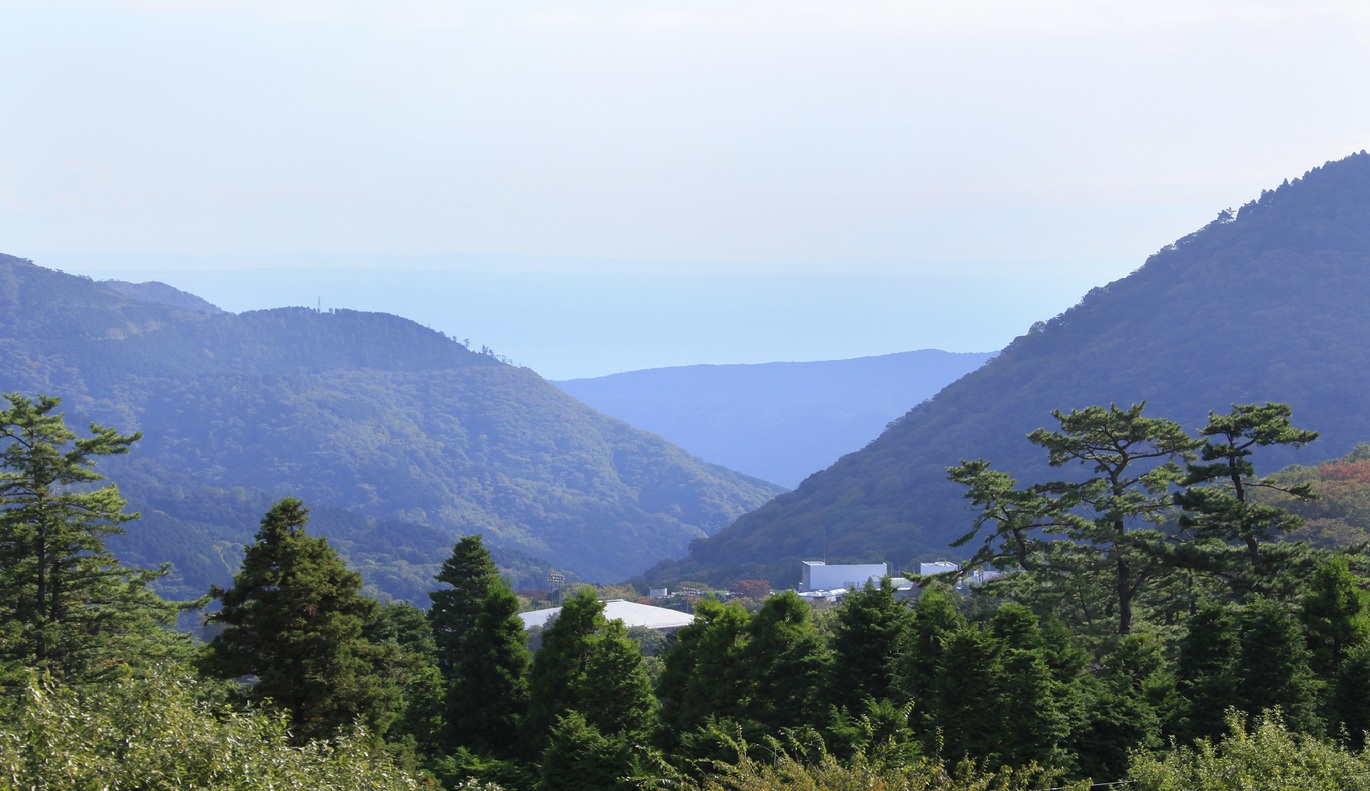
{"x":818,"y":575}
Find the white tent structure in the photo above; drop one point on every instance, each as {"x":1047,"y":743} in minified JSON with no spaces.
{"x":631,"y":613}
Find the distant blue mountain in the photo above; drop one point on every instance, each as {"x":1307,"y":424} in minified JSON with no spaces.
{"x":780,"y":422}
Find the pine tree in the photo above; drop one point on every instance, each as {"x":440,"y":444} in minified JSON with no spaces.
{"x":1217,"y":498}
{"x":705,"y":674}
{"x":296,"y":621}
{"x":786,"y":661}
{"x":66,"y":604}
{"x":559,"y":666}
{"x":1350,"y":699}
{"x":1207,"y":672}
{"x":871,"y":629}
{"x":1133,"y":459}
{"x":616,"y":694}
{"x":470,"y":573}
{"x":489,"y":693}
{"x":1334,"y":616}
{"x":935,"y":618}
{"x":1273,"y":666}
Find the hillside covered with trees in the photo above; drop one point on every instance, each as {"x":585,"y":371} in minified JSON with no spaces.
{"x":1207,"y":655}
{"x":400,"y":437}
{"x":1270,"y":302}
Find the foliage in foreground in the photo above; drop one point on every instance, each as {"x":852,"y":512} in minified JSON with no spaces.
{"x":1265,"y":757}
{"x":866,"y":772}
{"x":162,"y":734}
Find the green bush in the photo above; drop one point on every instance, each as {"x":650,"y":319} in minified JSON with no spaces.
{"x":1266,"y":757}
{"x":162,"y":733}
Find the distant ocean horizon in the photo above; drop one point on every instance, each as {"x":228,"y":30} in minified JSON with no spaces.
{"x":585,"y":322}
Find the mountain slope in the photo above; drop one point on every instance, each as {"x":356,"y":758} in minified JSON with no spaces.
{"x":358,"y":413}
{"x":777,"y":421}
{"x":1272,"y":303}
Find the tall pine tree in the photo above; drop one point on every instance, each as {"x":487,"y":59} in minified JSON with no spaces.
{"x":489,"y":694}
{"x":470,"y":573}
{"x":295,"y":622}
{"x":66,"y":604}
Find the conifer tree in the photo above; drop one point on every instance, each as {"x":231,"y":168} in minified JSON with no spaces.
{"x":935,"y":618}
{"x":1132,"y":701}
{"x":296,"y":622}
{"x":1207,"y":672}
{"x":871,"y":629}
{"x":559,"y":666}
{"x":1217,"y":498}
{"x":470,"y":573}
{"x":579,"y":758}
{"x":1334,"y":616}
{"x":1273,"y":666}
{"x":705,"y":673}
{"x":616,"y":695}
{"x":965,"y":695}
{"x":420,"y":719}
{"x":786,"y":660}
{"x":489,"y":693}
{"x":1133,"y":460}
{"x":1030,"y":710}
{"x":66,"y":604}
{"x":1350,"y":698}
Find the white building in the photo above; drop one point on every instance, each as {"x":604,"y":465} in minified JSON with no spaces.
{"x":631,"y":613}
{"x":818,"y":576}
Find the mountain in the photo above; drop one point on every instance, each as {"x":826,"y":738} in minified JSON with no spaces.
{"x":162,"y":294}
{"x":399,"y":437}
{"x":777,"y":421}
{"x":1270,"y":303}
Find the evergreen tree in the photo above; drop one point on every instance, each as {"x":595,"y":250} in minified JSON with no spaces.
{"x":1273,"y":666}
{"x":706,"y":673}
{"x":1207,"y":672}
{"x":1217,"y":498}
{"x":871,"y":629}
{"x":1334,"y":616}
{"x":66,"y":604}
{"x":786,"y":660}
{"x":489,"y":693}
{"x":1131,"y":702}
{"x":1133,"y":459}
{"x":469,"y":573}
{"x":616,"y":695}
{"x":1030,"y":709}
{"x":965,"y":694}
{"x":580,"y":758}
{"x":419,"y":722}
{"x":559,"y":666}
{"x":1350,"y":699}
{"x":935,"y":618}
{"x":1107,"y":517}
{"x":295,"y":621}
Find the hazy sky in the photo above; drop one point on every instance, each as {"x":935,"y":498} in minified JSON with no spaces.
{"x":596,"y":186}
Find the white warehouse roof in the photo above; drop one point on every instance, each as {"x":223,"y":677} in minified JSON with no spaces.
{"x":631,"y":613}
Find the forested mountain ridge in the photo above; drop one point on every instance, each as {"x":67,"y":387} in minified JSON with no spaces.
{"x":778,"y":421}
{"x":1269,"y":303}
{"x":364,"y":416}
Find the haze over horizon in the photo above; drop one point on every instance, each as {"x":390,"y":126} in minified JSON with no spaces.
{"x":612,"y":186}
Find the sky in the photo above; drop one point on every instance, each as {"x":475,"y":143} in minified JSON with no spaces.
{"x":590,"y":187}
